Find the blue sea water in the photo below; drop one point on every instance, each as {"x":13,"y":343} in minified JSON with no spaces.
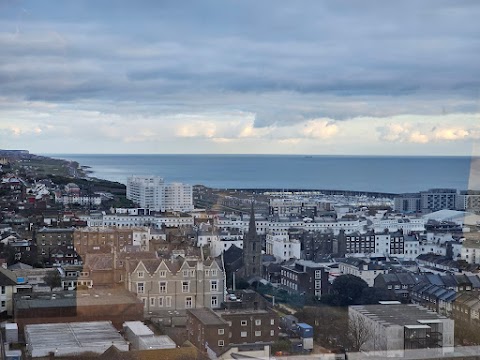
{"x":359,"y":173}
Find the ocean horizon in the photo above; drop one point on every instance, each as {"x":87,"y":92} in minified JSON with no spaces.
{"x":370,"y":173}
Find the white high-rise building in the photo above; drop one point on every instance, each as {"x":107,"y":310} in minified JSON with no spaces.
{"x":151,"y":192}
{"x":178,"y":197}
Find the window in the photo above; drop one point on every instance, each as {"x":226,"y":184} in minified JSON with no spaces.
{"x":214,"y":301}
{"x":272,"y":321}
{"x":220,"y":343}
{"x":243,"y":334}
{"x":258,"y":322}
{"x":243,"y":322}
{"x":213,"y":272}
{"x":207,"y":273}
{"x":152,"y":301}
{"x":188,"y":302}
{"x":162,"y":286}
{"x":318,"y":274}
{"x":185,"y":286}
{"x":213,"y":285}
{"x":258,"y":333}
{"x":160,"y":301}
{"x":163,"y":273}
{"x":168,"y":301}
{"x":3,"y":290}
{"x":140,"y":288}
{"x":185,"y":273}
{"x":221,"y":331}
{"x":192,"y":273}
{"x":3,"y":303}
{"x":272,"y":332}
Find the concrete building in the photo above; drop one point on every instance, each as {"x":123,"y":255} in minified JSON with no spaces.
{"x":178,"y":197}
{"x":390,"y":328}
{"x":177,"y":284}
{"x":141,"y":337}
{"x":438,"y":199}
{"x":151,"y":192}
{"x":408,"y":203}
{"x":147,"y":191}
{"x":69,"y":339}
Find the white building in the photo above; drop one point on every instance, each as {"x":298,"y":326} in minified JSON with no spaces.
{"x":281,"y":246}
{"x":367,"y":271}
{"x":178,"y":197}
{"x":392,"y":329}
{"x":128,"y":221}
{"x":151,"y":192}
{"x":220,"y":245}
{"x":147,"y":191}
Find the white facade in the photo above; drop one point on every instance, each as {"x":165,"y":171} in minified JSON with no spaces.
{"x":281,"y":246}
{"x":404,"y":224}
{"x":264,"y":226}
{"x":178,"y":197}
{"x":128,"y":221}
{"x":147,"y":191}
{"x":363,"y":271}
{"x":220,"y":245}
{"x":76,"y":199}
{"x":151,"y":192}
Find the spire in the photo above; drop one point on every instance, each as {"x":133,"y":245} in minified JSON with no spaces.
{"x":252,"y":228}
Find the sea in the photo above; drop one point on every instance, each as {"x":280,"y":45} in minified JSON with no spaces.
{"x":385,"y":174}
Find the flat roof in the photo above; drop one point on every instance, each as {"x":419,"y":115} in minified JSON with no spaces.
{"x":138,"y":328}
{"x":398,"y":314}
{"x":207,"y":316}
{"x":76,"y":337}
{"x":75,"y":298}
{"x":157,"y":342}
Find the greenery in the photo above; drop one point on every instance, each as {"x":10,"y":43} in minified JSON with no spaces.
{"x":53,"y":279}
{"x":351,"y":290}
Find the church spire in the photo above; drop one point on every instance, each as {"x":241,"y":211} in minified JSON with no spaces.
{"x":252,"y":228}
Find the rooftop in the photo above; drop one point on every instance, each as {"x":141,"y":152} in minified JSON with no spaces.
{"x":397,"y":314}
{"x":76,"y":337}
{"x":207,"y":317}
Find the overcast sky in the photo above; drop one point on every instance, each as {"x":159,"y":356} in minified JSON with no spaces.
{"x":282,"y":77}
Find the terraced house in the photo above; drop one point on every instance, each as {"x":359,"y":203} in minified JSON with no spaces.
{"x":176,"y":284}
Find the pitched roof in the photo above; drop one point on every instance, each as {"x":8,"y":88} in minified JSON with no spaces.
{"x":7,"y":277}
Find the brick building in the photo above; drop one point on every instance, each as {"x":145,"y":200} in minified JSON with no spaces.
{"x":55,"y":245}
{"x":101,"y":240}
{"x":305,"y":277}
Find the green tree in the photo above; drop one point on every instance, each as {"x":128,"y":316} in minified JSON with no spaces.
{"x":348,"y":290}
{"x":372,"y":295}
{"x":53,"y":279}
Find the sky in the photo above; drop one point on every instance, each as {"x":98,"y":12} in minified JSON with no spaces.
{"x":343,"y":77}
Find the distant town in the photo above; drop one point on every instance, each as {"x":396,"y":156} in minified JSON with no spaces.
{"x":155,"y":269}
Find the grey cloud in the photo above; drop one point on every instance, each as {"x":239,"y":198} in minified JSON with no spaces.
{"x":284,"y":62}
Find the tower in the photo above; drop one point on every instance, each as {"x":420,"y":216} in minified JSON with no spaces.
{"x":252,"y":249}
